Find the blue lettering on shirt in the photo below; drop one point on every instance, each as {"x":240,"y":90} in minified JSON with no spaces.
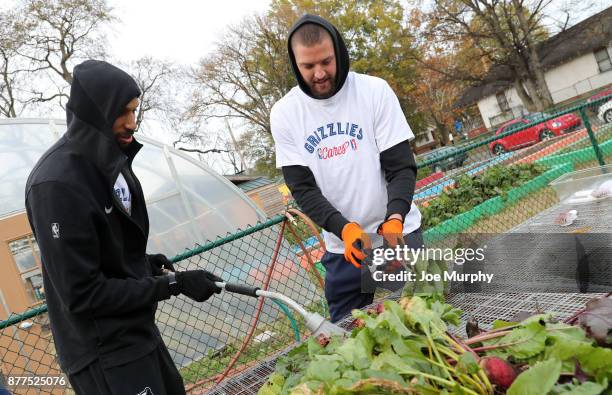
{"x":322,"y":131}
{"x":333,"y":129}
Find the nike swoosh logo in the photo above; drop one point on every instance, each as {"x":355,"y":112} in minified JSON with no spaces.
{"x":108,"y":210}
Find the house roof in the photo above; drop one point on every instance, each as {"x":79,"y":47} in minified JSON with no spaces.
{"x":584,"y":37}
{"x":249,"y":183}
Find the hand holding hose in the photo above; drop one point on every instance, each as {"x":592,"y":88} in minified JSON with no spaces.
{"x":198,"y":285}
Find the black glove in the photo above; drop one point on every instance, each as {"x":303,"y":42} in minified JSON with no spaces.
{"x":198,"y":285}
{"x":159,"y":262}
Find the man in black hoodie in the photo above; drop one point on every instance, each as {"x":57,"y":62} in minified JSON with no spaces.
{"x":88,"y":214}
{"x":342,"y":143}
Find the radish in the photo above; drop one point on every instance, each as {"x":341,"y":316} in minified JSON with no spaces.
{"x":499,"y":371}
{"x":323,"y":340}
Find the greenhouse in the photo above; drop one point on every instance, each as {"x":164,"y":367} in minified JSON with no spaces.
{"x":188,"y":203}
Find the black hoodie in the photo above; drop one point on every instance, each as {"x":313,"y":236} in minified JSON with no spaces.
{"x":100,"y":294}
{"x":342,"y":56}
{"x":397,"y":162}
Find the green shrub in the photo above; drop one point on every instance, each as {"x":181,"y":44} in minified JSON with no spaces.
{"x":470,"y":191}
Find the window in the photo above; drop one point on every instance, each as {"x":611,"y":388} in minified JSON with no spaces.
{"x":27,"y":259}
{"x":502,"y":102}
{"x":603,"y":60}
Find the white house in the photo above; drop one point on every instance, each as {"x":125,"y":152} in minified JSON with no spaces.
{"x":576,"y":61}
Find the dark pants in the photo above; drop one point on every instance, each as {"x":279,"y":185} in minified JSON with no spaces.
{"x":153,"y":374}
{"x":343,"y":281}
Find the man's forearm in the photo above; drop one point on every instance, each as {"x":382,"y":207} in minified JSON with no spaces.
{"x":399,"y":167}
{"x":304,"y":189}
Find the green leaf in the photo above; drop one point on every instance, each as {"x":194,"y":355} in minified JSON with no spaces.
{"x":395,"y":318}
{"x":357,"y":351}
{"x":497,"y":324}
{"x":273,"y":386}
{"x":323,"y":370}
{"x":391,"y":362}
{"x":410,"y":349}
{"x":467,"y":363}
{"x":537,"y":380}
{"x":521,"y":343}
{"x":597,"y":362}
{"x":566,"y":342}
{"x":447,"y":312}
{"x":420,"y":316}
{"x":587,"y":388}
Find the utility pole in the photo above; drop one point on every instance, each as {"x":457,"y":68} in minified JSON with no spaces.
{"x":231,"y":132}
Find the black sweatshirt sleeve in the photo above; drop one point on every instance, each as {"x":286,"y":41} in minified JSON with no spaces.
{"x":71,"y":259}
{"x":400,"y":170}
{"x":301,"y":182}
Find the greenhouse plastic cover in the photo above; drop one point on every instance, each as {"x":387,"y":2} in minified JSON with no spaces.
{"x":188,"y":202}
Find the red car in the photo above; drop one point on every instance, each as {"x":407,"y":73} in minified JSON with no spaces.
{"x":533,"y":134}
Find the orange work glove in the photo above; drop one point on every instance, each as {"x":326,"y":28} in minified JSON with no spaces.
{"x":392,"y":231}
{"x":356,"y":243}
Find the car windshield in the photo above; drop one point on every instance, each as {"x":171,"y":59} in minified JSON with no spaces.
{"x":514,"y":125}
{"x":438,"y":152}
{"x":536,"y":116}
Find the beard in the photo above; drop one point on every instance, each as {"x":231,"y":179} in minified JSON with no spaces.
{"x":323,"y":94}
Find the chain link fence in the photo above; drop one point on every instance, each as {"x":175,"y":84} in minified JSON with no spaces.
{"x":499,"y":184}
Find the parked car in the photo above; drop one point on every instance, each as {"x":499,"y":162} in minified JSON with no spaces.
{"x":454,"y":161}
{"x":599,"y":95}
{"x":605,"y":112}
{"x":533,"y":134}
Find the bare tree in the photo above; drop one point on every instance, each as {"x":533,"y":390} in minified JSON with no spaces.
{"x":12,"y":75}
{"x":154,"y":78}
{"x":234,"y":82}
{"x":60,"y":33}
{"x":506,"y":33}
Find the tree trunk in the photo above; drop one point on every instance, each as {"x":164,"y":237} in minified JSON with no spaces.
{"x":442,"y":132}
{"x":534,"y":94}
{"x":544,"y":92}
{"x":524,"y":96}
{"x":533,"y":60}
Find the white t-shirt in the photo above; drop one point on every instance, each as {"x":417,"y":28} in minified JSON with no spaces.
{"x":340,"y":139}
{"x":122,"y":191}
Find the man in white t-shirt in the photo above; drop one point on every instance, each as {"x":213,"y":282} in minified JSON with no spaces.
{"x":342,"y":142}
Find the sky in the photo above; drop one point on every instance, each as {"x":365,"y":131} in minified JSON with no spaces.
{"x":182,"y":31}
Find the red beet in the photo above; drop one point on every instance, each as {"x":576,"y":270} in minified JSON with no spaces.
{"x":323,"y":340}
{"x":376,"y":309}
{"x":499,"y":371}
{"x":357,"y":323}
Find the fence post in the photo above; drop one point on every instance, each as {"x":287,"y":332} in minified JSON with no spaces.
{"x":587,"y":125}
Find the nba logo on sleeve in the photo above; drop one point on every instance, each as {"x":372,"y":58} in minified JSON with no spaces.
{"x":55,"y":230}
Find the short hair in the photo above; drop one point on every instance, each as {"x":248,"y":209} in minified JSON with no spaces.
{"x":309,"y":34}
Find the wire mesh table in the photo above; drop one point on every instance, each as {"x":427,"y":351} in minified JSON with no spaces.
{"x":592,"y":217}
{"x":486,"y":308}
